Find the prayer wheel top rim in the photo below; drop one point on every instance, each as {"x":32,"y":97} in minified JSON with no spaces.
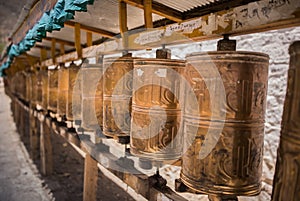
{"x":225,"y":55}
{"x":158,"y":63}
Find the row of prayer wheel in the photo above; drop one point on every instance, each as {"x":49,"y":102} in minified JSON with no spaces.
{"x":208,"y":110}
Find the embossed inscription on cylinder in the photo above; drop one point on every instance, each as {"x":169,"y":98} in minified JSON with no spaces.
{"x":286,"y":184}
{"x":225,"y":156}
{"x":63,"y":88}
{"x":156,"y":110}
{"x":52,"y":89}
{"x":92,"y":96}
{"x":74,"y":93}
{"x":117,"y":96}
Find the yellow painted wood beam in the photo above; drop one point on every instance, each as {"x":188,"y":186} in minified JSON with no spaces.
{"x":77,"y":33}
{"x":148,"y":14}
{"x":89,"y":38}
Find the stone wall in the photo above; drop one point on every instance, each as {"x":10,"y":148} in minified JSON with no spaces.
{"x":275,"y":44}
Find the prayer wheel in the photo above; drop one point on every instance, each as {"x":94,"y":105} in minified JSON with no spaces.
{"x":74,"y":93}
{"x":92,"y":96}
{"x":117,"y":95}
{"x":224,"y":158}
{"x":33,"y":88}
{"x":286,"y":184}
{"x":52,"y":89}
{"x":42,"y":89}
{"x":156,"y":110}
{"x":63,"y":87}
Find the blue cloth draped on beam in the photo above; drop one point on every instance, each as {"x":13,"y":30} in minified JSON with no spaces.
{"x":64,"y":10}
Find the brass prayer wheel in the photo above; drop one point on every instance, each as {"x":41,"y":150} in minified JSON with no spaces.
{"x":92,"y":96}
{"x":74,"y":93}
{"x":52,"y":89}
{"x":63,"y":88}
{"x":33,"y":88}
{"x":117,"y":82}
{"x":224,"y":157}
{"x":42,"y":91}
{"x":156,"y":110}
{"x":286,"y":184}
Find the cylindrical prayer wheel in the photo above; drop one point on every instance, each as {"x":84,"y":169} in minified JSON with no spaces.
{"x":33,"y":88}
{"x":287,"y":175}
{"x":117,"y":96}
{"x":156,"y":110}
{"x":224,"y":128}
{"x":92,"y":96}
{"x":63,"y":89}
{"x":52,"y":89}
{"x":28,"y":75}
{"x":74,"y":93}
{"x":42,"y":89}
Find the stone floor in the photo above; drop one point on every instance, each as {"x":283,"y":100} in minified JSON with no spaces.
{"x":19,"y":179}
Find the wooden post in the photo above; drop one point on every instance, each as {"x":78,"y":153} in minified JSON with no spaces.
{"x":78,"y":40}
{"x":89,"y":38}
{"x":53,"y":50}
{"x":43,"y":54}
{"x":148,"y":13}
{"x":90,"y":179}
{"x":46,"y":147}
{"x":123,"y":22}
{"x":62,"y":48}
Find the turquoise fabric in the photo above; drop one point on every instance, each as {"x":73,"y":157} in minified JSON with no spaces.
{"x":64,"y":10}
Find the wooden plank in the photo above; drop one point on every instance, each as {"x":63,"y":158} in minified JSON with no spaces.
{"x":89,"y":38}
{"x":90,"y":179}
{"x":77,"y":33}
{"x":45,"y":47}
{"x":46,"y":148}
{"x":148,"y":14}
{"x":53,"y":50}
{"x":160,"y":9}
{"x":102,"y":32}
{"x":69,"y":43}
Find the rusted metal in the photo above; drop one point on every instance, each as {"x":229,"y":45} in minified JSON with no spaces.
{"x":156,"y":112}
{"x":92,"y":96}
{"x":233,"y":165}
{"x":117,"y":96}
{"x":52,"y":89}
{"x":287,"y":175}
{"x":63,"y":89}
{"x":74,"y":93}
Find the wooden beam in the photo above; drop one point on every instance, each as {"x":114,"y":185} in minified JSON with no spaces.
{"x":148,"y":14}
{"x":53,"y":50}
{"x":89,"y":39}
{"x":159,"y":9}
{"x":78,"y":40}
{"x":90,"y":179}
{"x":102,"y":32}
{"x":69,"y":43}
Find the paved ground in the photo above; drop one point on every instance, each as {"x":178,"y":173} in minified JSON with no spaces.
{"x":19,"y":180}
